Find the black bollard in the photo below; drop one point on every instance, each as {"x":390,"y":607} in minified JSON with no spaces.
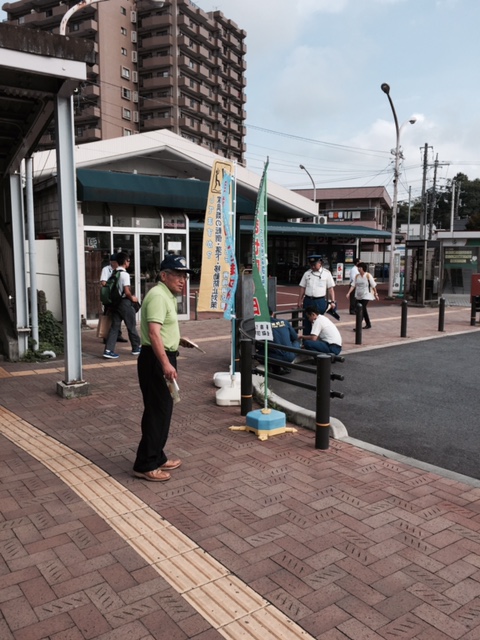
{"x":441,"y":315}
{"x":322,"y":413}
{"x":473,"y":313}
{"x":196,"y":305}
{"x":358,"y":323}
{"x":403,"y":325}
{"x":246,"y":386}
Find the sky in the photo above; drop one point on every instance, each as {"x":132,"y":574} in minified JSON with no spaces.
{"x":314,"y":72}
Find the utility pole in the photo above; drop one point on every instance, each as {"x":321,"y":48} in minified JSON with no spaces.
{"x":452,"y":209}
{"x":433,"y":200}
{"x":423,"y":216}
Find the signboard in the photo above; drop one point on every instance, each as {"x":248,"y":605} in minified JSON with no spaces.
{"x":460,"y":258}
{"x":339,"y":271}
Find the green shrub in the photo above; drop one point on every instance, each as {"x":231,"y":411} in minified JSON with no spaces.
{"x":50,"y":336}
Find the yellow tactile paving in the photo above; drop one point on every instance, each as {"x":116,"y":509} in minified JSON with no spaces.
{"x":230,"y":606}
{"x":114,"y":505}
{"x":192,"y":568}
{"x":162,"y":544}
{"x":142,"y":521}
{"x":224,"y":600}
{"x":259,"y":626}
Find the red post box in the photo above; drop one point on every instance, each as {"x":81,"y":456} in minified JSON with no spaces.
{"x":475,"y":290}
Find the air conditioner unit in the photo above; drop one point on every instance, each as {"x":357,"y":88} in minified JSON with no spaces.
{"x":322,"y":220}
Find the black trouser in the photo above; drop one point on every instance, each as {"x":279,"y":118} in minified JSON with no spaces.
{"x":157,"y":412}
{"x":366,"y":317}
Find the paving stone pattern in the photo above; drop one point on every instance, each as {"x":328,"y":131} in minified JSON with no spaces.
{"x":345,"y":543}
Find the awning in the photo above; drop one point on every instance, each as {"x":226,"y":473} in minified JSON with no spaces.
{"x":337,"y":231}
{"x":136,"y":189}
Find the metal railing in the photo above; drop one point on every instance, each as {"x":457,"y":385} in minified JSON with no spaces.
{"x":321,"y":371}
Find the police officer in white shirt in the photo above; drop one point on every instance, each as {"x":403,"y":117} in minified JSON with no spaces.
{"x":317,"y":288}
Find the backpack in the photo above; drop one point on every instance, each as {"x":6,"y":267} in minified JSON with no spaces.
{"x":109,"y":294}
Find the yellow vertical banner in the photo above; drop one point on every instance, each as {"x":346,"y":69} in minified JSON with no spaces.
{"x":216,"y":266}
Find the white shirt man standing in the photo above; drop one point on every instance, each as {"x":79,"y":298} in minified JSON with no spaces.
{"x":317,"y":288}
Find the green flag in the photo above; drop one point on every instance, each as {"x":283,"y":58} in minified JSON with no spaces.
{"x":263,"y":327}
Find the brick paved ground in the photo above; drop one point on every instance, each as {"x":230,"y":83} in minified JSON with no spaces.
{"x":345,"y":543}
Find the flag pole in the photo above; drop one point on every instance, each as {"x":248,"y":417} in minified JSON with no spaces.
{"x":264,"y":422}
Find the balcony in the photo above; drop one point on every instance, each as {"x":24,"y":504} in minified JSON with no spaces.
{"x":184,"y":25}
{"x":156,"y":62}
{"x":85,"y":29}
{"x":88,"y":135}
{"x":154,"y":22}
{"x":91,"y":91}
{"x":160,"y":82}
{"x":88,"y":113}
{"x":156,"y":42}
{"x":151,"y":124}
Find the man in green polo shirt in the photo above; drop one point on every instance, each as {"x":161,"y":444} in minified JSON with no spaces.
{"x":157,"y":366}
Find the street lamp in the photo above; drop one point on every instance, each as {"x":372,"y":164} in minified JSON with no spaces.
{"x":85,"y":3}
{"x":71,"y":11}
{"x":398,"y":154}
{"x":314,"y":188}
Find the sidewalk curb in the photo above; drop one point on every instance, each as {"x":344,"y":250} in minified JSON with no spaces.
{"x":296,"y":414}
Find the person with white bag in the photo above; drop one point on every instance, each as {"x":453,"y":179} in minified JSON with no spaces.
{"x":365,"y":289}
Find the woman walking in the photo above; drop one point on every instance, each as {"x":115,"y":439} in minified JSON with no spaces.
{"x":365,"y":289}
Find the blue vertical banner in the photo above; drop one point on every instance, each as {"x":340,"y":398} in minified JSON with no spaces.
{"x":263,"y":327}
{"x":216,"y":266}
{"x":230,"y":287}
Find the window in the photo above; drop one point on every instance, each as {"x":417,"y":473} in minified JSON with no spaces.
{"x":123,"y":31}
{"x":123,"y":11}
{"x":127,"y":132}
{"x":75,"y":26}
{"x":124,"y":51}
{"x":126,"y":93}
{"x":125,"y":73}
{"x":126,"y":114}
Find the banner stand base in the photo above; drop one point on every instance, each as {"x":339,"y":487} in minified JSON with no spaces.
{"x":228,"y":396}
{"x":265,"y":423}
{"x":225,"y":379}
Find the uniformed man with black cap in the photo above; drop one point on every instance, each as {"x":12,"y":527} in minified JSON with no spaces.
{"x":317,"y":289}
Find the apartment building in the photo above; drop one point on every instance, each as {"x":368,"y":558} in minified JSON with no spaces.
{"x":159,"y":65}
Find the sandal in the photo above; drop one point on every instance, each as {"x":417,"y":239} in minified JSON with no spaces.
{"x":157,"y":475}
{"x":173,"y":463}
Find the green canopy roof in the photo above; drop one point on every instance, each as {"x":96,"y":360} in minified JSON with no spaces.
{"x":136,"y":189}
{"x":309,"y":229}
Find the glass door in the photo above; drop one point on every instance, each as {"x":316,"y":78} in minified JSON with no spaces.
{"x":176,"y":244}
{"x":150,"y":253}
{"x":125,"y":242}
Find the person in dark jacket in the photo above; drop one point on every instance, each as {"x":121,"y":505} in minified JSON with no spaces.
{"x":283,"y":334}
